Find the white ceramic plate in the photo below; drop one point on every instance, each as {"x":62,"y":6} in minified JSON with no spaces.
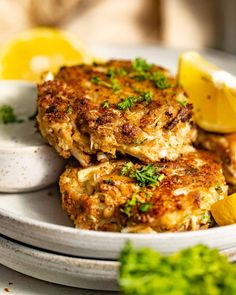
{"x":64,"y":270}
{"x":37,"y":219}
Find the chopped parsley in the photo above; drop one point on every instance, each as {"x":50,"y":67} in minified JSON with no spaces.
{"x":7,"y":115}
{"x":114,"y":85}
{"x":121,"y":72}
{"x":147,"y":175}
{"x":141,"y":68}
{"x":182,"y":102}
{"x":105,"y":104}
{"x":160,"y":80}
{"x":206,"y":217}
{"x":147,"y":97}
{"x":125,"y":169}
{"x":129,"y":102}
{"x":129,"y":205}
{"x":144,"y":207}
{"x":97,"y":80}
{"x":69,"y":109}
{"x":192,"y":271}
{"x":113,"y":72}
{"x":141,"y":65}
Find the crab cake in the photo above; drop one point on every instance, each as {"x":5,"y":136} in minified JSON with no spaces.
{"x":224,"y":145}
{"x":115,"y":107}
{"x":129,"y":196}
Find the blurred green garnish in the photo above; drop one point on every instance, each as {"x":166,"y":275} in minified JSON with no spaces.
{"x":7,"y":115}
{"x":193,"y":271}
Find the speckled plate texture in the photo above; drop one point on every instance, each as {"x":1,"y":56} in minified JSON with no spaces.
{"x":38,"y":220}
{"x":64,"y":270}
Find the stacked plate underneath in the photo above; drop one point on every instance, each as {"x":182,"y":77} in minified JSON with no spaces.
{"x":38,"y":239}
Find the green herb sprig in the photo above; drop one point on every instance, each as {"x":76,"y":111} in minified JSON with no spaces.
{"x":114,"y":85}
{"x":129,"y":102}
{"x":7,"y":115}
{"x":145,"y":176}
{"x":141,"y":65}
{"x":141,"y":72}
{"x":143,"y":207}
{"x":160,"y":80}
{"x":127,"y":208}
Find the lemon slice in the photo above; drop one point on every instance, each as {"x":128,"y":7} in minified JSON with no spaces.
{"x":38,"y":50}
{"x":224,"y":211}
{"x":212,"y":92}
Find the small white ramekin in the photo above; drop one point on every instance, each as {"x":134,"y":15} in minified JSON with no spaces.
{"x":27,"y":162}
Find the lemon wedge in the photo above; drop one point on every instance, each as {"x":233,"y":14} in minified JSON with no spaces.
{"x":224,"y":211}
{"x":212,"y":92}
{"x":38,"y":50}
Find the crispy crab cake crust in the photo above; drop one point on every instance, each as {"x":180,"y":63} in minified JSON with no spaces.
{"x":96,"y":197}
{"x":72,"y":117}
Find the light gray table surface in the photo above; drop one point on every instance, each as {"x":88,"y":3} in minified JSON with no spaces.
{"x":14,"y":283}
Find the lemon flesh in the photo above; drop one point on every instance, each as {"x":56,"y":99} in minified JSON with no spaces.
{"x":212,"y":92}
{"x":224,"y":211}
{"x":38,"y":50}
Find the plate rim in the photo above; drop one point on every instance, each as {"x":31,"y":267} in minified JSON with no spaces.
{"x":103,"y":234}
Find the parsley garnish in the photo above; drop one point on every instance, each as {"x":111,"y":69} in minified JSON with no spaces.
{"x":69,"y":109}
{"x":7,"y":115}
{"x":97,"y":80}
{"x":147,"y":97}
{"x":129,"y":205}
{"x":144,"y":207}
{"x":125,"y":169}
{"x":128,"y":102}
{"x":114,"y":85}
{"x":121,"y":72}
{"x":160,"y":80}
{"x":147,"y":175}
{"x":113,"y":72}
{"x":105,"y":104}
{"x":181,"y":100}
{"x":195,"y":270}
{"x":205,"y":217}
{"x":141,"y":68}
{"x":141,"y":65}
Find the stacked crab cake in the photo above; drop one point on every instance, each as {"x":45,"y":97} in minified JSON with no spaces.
{"x":130,"y":127}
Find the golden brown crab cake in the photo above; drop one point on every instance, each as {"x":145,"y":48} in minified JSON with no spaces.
{"x":120,"y":106}
{"x":133,"y":197}
{"x":224,"y":145}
